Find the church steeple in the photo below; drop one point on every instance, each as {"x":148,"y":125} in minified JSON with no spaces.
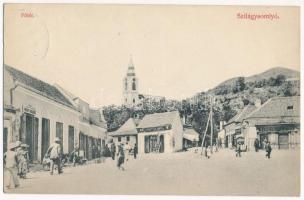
{"x":130,"y":85}
{"x":131,"y":69}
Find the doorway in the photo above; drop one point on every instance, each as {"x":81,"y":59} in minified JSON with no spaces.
{"x":31,"y":136}
{"x":71,"y":139}
{"x":283,"y":141}
{"x":45,"y":137}
{"x":5,"y":132}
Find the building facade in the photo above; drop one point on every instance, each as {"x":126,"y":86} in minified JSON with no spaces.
{"x":160,"y":133}
{"x":276,"y":121}
{"x":127,"y":133}
{"x":92,"y":132}
{"x":38,"y":113}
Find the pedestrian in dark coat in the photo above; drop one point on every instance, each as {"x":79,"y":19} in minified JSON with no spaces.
{"x":238,"y":150}
{"x":135,"y":150}
{"x":268,"y":150}
{"x":121,"y":157}
{"x":113,"y":150}
{"x":256,"y":144}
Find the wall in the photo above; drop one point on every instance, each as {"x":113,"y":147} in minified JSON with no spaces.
{"x":168,"y":140}
{"x":46,"y":108}
{"x":124,"y":140}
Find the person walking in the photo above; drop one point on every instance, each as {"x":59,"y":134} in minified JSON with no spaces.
{"x":22,"y":161}
{"x":238,"y":150}
{"x":127,"y":151}
{"x":54,"y":153}
{"x":135,"y":151}
{"x":208,"y":152}
{"x":11,"y":179}
{"x":113,"y":151}
{"x":121,"y":157}
{"x":256,"y":144}
{"x":268,"y":150}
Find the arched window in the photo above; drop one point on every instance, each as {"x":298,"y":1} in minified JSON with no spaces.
{"x":133,"y":84}
{"x":133,"y":100}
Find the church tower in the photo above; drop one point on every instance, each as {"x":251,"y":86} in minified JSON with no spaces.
{"x":130,"y":87}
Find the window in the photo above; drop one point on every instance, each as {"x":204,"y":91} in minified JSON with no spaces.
{"x":289,"y":107}
{"x":126,"y":100}
{"x":128,"y":138}
{"x":133,"y":85}
{"x":119,"y":139}
{"x":133,"y":100}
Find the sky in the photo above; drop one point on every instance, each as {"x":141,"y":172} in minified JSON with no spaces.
{"x":177,"y":51}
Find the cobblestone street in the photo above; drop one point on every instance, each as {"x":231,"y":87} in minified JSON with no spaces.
{"x":184,"y":173}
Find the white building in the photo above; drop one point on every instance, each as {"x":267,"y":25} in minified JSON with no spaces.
{"x":127,"y":133}
{"x":92,"y":133}
{"x":35,"y":113}
{"x":161,"y":133}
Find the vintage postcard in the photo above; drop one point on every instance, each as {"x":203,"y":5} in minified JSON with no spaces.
{"x":189,"y":100}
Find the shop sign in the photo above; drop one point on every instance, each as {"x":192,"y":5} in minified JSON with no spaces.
{"x":153,"y":129}
{"x":29,"y":109}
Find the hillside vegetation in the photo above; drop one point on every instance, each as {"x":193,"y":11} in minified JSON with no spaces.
{"x":229,"y":98}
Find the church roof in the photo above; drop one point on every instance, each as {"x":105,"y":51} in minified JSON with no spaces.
{"x":131,"y":68}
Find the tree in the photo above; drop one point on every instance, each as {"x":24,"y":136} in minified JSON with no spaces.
{"x":287,"y":89}
{"x":280,"y":79}
{"x":239,"y":85}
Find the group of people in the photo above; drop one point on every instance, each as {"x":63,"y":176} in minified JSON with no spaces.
{"x":209,"y":150}
{"x":266,"y":144}
{"x":16,"y":164}
{"x":122,"y":152}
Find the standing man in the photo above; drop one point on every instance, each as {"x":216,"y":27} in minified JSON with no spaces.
{"x":135,"y":150}
{"x":121,"y":157}
{"x":54,"y":153}
{"x":256,"y":144}
{"x":268,"y":150}
{"x":11,"y":167}
{"x":113,"y":150}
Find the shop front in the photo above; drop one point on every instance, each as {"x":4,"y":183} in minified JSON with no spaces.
{"x":280,"y":136}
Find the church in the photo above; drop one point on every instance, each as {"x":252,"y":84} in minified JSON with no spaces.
{"x":131,"y":96}
{"x":130,"y":85}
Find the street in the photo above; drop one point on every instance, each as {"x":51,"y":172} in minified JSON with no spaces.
{"x":184,"y":173}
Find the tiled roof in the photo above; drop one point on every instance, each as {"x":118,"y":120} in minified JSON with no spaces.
{"x":39,"y":86}
{"x":190,"y":134}
{"x":128,"y":128}
{"x":247,"y":110}
{"x":158,"y":119}
{"x":278,"y":107}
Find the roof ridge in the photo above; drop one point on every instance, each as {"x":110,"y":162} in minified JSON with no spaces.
{"x":31,"y":76}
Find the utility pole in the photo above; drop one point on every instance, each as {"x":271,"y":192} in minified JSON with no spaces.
{"x":211,"y":125}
